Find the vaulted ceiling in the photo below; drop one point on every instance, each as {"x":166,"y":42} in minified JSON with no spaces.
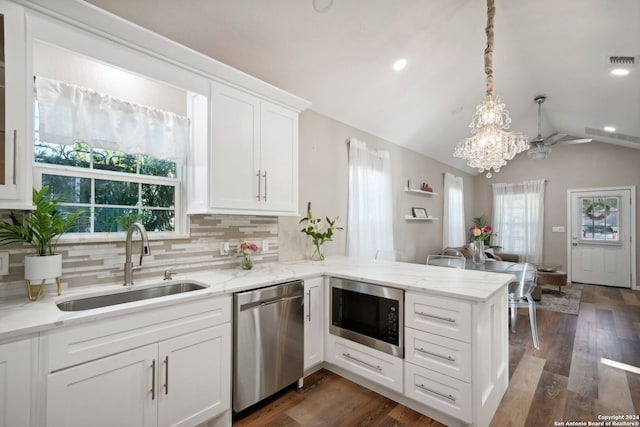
{"x":338,"y":55}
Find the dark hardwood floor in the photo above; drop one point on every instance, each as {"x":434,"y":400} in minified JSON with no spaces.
{"x":587,"y":365}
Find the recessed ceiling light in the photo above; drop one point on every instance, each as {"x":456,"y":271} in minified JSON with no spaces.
{"x":399,"y":64}
{"x":609,"y":129}
{"x":620,"y":72}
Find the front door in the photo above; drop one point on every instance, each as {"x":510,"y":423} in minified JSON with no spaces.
{"x":601,"y":227}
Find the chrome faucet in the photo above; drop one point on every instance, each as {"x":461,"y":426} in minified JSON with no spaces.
{"x":145,"y":250}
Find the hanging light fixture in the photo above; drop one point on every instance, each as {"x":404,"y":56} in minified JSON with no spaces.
{"x":490,"y":146}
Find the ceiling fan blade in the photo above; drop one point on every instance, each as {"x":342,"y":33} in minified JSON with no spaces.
{"x":553,"y":139}
{"x":575,"y":141}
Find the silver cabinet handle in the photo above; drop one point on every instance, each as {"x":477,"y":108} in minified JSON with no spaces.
{"x":265,"y":185}
{"x":348,"y":356}
{"x":166,"y":374}
{"x":309,"y":311}
{"x":259,"y":175}
{"x":15,"y":146}
{"x":153,"y":380}
{"x":433,"y":316}
{"x":422,"y":350}
{"x":446,"y":396}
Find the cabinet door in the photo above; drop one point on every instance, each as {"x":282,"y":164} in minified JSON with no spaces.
{"x":15,"y":143}
{"x":15,"y":382}
{"x":195,"y":373}
{"x":313,"y":322}
{"x":235,"y":139}
{"x":120,"y":390}
{"x":279,"y":158}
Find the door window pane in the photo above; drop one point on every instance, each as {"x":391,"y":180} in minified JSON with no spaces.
{"x":600,"y":217}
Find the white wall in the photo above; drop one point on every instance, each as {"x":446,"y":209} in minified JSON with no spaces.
{"x":324,"y":181}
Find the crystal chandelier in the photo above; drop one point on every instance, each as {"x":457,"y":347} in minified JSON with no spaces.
{"x":490,"y":146}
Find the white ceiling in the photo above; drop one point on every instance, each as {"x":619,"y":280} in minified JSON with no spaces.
{"x":341,"y":59}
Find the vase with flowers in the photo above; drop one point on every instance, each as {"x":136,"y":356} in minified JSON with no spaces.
{"x":319,"y":232}
{"x":479,"y":236}
{"x":246,"y":249}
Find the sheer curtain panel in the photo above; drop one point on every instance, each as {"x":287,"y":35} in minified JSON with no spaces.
{"x":518,"y":218}
{"x":453,"y":228}
{"x":370,"y":221}
{"x":69,"y":113}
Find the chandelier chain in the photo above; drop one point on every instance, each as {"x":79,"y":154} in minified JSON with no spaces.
{"x":488,"y":51}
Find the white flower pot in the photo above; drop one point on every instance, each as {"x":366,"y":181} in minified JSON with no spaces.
{"x":42,"y":267}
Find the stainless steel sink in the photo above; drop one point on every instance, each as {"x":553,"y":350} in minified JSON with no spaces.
{"x":128,"y":296}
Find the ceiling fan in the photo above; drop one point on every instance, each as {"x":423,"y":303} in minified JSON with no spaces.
{"x":540,"y":147}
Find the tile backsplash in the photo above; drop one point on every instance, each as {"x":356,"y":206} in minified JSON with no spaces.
{"x":95,"y":264}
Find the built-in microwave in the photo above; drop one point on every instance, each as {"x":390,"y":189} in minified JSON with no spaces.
{"x":368,"y":314}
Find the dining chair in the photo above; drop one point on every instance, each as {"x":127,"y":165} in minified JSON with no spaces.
{"x":446,"y":261}
{"x":452,"y":252}
{"x":520,"y":296}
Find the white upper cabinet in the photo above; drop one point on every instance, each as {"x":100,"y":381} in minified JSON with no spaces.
{"x":15,"y":137}
{"x":253,"y":155}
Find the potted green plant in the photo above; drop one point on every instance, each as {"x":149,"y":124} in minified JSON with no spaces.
{"x":41,"y":228}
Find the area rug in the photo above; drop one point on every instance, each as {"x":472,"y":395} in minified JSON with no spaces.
{"x":568,"y":302}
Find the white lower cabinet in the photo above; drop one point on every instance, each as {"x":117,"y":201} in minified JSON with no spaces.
{"x":366,"y":362}
{"x":441,"y":392}
{"x":313,"y":322}
{"x":15,"y":383}
{"x":183,"y":378}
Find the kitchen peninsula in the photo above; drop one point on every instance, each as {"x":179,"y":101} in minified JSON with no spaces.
{"x":458,"y":311}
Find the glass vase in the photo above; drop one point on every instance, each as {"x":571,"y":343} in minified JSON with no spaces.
{"x":317,"y":254}
{"x":477,"y":252}
{"x":247,"y":262}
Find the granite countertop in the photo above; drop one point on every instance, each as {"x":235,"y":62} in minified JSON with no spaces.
{"x":19,"y":317}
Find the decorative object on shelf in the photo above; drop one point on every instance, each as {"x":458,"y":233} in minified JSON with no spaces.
{"x":313,"y":227}
{"x":412,"y":184}
{"x":425,"y":187}
{"x":41,"y":228}
{"x":246,"y":249}
{"x":419,"y":213}
{"x":490,"y":146}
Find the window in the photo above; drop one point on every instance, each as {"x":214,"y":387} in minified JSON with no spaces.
{"x":453,"y":228}
{"x":600,"y":219}
{"x":518,"y":218}
{"x":370,"y":222}
{"x":113,"y":186}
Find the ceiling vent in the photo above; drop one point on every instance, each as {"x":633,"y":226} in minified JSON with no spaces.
{"x":612,"y":135}
{"x":622,"y":61}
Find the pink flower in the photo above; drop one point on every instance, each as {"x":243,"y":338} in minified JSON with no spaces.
{"x":487,"y":229}
{"x":253,"y":247}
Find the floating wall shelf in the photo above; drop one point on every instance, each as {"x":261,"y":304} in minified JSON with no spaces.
{"x":413,"y":218}
{"x":424,"y":193}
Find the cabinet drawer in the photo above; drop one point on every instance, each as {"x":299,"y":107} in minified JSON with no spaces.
{"x":441,"y":354}
{"x":438,"y":315}
{"x":446,"y":394}
{"x":366,"y":362}
{"x":73,"y":345}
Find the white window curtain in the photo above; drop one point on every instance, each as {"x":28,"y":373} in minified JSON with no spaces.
{"x":453,"y":228}
{"x":370,"y":222}
{"x":518,"y":218}
{"x":69,"y":113}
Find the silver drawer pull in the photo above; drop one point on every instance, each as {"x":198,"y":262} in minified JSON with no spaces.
{"x":348,"y":356}
{"x":153,"y":380}
{"x":446,"y":319}
{"x":446,"y":396}
{"x":259,"y":175}
{"x":422,"y":350}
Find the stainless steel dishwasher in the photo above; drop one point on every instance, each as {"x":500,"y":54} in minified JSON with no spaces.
{"x":268,"y":341}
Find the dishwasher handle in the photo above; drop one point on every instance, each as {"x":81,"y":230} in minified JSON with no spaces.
{"x":258,"y":304}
